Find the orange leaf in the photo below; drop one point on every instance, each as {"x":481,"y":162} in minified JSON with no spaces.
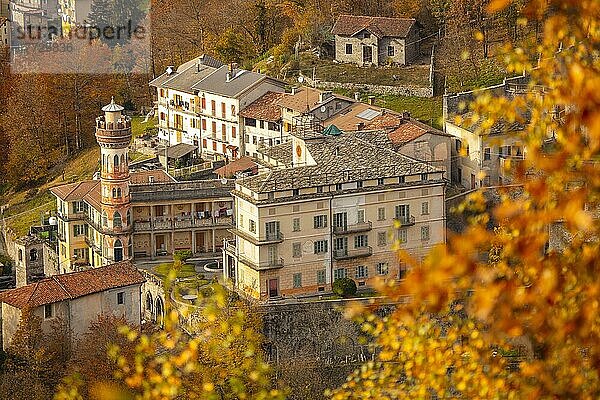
{"x":497,"y":5}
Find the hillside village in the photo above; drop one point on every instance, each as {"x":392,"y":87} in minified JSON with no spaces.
{"x":294,"y":192}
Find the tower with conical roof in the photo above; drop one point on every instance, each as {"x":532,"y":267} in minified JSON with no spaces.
{"x":113,"y":133}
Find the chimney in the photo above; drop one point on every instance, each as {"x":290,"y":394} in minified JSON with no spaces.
{"x":360,"y":126}
{"x":228,"y":76}
{"x":150,"y":179}
{"x":294,"y":90}
{"x":405,"y":115}
{"x":356,"y":96}
{"x":324,"y":96}
{"x":371,"y":100}
{"x":170,"y":69}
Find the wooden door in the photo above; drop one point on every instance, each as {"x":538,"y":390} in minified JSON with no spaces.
{"x":273,"y":285}
{"x":367,"y":54}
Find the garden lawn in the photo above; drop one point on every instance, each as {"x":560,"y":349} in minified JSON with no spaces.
{"x":186,"y":271}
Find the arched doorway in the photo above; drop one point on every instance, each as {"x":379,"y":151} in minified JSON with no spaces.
{"x":159,"y":311}
{"x":149,"y":306}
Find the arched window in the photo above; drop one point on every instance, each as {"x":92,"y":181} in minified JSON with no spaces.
{"x":118,"y":250}
{"x":117,"y":220}
{"x":33,"y":255}
{"x":128,"y":217}
{"x":104,"y":219}
{"x":149,"y":302}
{"x":122,"y":161}
{"x":114,"y":192}
{"x":119,"y":193}
{"x":104,"y":168}
{"x":20,"y":255}
{"x":116,"y":162}
{"x":130,"y":249}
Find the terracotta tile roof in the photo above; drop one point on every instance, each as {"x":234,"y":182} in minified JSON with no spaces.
{"x":75,"y":191}
{"x":265,"y":108}
{"x":300,"y":100}
{"x":143,"y":177}
{"x":349,"y":119}
{"x":406,"y":132}
{"x":74,"y":285}
{"x":349,"y":25}
{"x":239,"y":165}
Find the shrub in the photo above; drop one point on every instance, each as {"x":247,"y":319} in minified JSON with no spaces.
{"x":8,"y":264}
{"x":344,"y":287}
{"x":182,"y":255}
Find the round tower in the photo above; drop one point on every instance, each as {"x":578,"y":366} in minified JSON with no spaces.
{"x":113,"y":133}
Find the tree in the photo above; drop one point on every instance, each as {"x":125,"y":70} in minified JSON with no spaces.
{"x":222,"y":360}
{"x":345,"y":287}
{"x":467,"y":315}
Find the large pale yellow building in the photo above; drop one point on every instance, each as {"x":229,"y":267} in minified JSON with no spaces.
{"x":325,"y":209}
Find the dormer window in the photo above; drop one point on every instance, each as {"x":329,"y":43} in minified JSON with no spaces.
{"x":367,"y":35}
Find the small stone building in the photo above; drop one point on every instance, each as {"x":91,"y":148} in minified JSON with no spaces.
{"x":365,"y":40}
{"x":29,"y":265}
{"x":75,"y":300}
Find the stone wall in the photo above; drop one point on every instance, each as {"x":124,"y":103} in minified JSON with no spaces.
{"x":379,"y":89}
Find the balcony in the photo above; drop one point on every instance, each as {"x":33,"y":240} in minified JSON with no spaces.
{"x":406,"y":220}
{"x":161,"y":224}
{"x":344,"y":254}
{"x":275,"y":263}
{"x":275,"y":237}
{"x":353,"y":228}
{"x":230,"y":247}
{"x":95,"y":248}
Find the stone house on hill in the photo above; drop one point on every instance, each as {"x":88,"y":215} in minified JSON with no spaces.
{"x":365,"y":40}
{"x":75,"y":299}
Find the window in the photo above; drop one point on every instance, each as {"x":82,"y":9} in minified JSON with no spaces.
{"x":296,"y":249}
{"x":367,"y":35}
{"x":458,"y":145}
{"x":339,"y":273}
{"x":338,"y":186}
{"x":116,"y":162}
{"x":296,"y":192}
{"x":381,"y":238}
{"x":233,"y":110}
{"x":359,"y":184}
{"x":78,"y":206}
{"x":382,"y":268}
{"x":361,"y":216}
{"x":250,"y":122}
{"x":223,"y":113}
{"x":425,"y":232}
{"x":320,"y":221}
{"x":296,"y":208}
{"x":121,"y":298}
{"x":214,"y":128}
{"x":272,"y":211}
{"x":402,"y":235}
{"x":296,"y":224}
{"x":298,"y":280}
{"x":33,"y":255}
{"x":224,"y":132}
{"x":423,"y":177}
{"x":233,"y":132}
{"x":403,"y":213}
{"x":252,"y":226}
{"x":272,"y":231}
{"x":487,"y":153}
{"x":425,"y":208}
{"x":203,"y":125}
{"x":78,"y":230}
{"x":362,"y":272}
{"x":48,"y":311}
{"x":321,"y":277}
{"x":104,"y":219}
{"x":319,"y":189}
{"x":361,"y":241}
{"x":380,"y":181}
{"x":117,"y":220}
{"x":213,"y":107}
{"x":380,"y":213}
{"x":320,"y":246}
{"x":128,"y":217}
{"x":203,"y":103}
{"x":424,"y":192}
{"x":401,"y":179}
{"x":402,"y":271}
{"x":348,"y":48}
{"x":390,"y":51}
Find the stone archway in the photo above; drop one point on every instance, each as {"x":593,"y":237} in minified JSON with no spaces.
{"x":159,"y":311}
{"x":149,"y":307}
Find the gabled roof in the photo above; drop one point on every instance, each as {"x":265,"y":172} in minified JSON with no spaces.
{"x":179,"y":150}
{"x":349,"y":25}
{"x":265,"y":108}
{"x":370,"y":117}
{"x":240,"y":165}
{"x":187,"y":74}
{"x":307,"y":99}
{"x":74,"y":285}
{"x":240,"y":81}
